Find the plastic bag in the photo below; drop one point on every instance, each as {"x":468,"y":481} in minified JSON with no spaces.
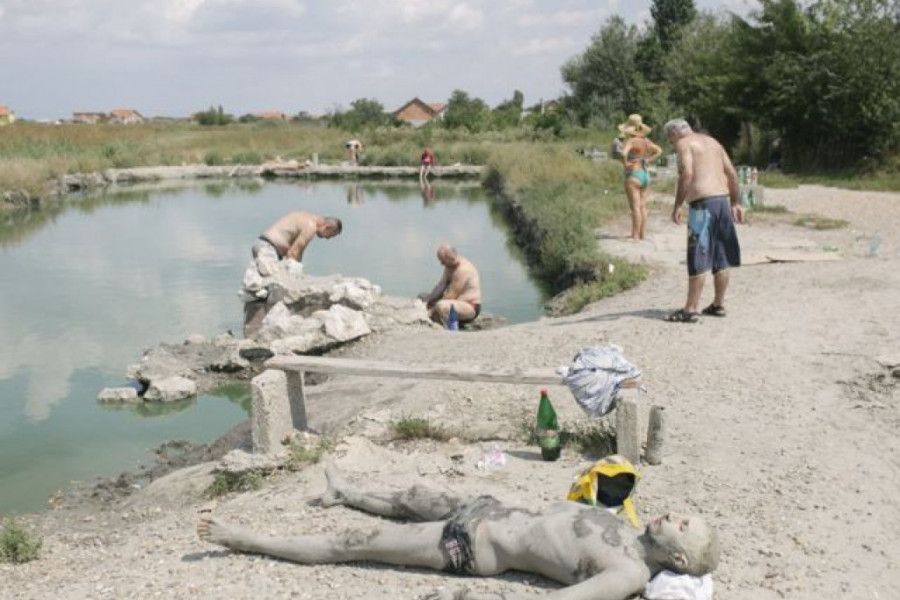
{"x":596,"y":376}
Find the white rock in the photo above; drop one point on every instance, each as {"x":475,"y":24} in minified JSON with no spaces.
{"x":119,"y":394}
{"x":344,"y":324}
{"x":171,"y":389}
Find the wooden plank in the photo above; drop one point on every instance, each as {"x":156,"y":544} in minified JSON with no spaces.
{"x":371,"y":368}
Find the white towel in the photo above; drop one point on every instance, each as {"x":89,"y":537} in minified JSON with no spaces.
{"x":668,"y":585}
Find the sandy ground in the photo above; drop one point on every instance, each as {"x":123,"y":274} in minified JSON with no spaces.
{"x":782,"y":432}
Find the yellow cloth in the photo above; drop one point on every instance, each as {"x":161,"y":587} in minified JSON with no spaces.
{"x":585,"y":487}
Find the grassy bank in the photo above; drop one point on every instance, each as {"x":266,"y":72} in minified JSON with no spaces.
{"x":555,"y":199}
{"x":32,"y":154}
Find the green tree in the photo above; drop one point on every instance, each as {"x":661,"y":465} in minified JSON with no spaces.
{"x":669,"y":19}
{"x":703,"y":73}
{"x":509,"y":112}
{"x":826,"y":77}
{"x":603,"y":80}
{"x":213,"y":116}
{"x":462,"y":111}
{"x":363,"y":113}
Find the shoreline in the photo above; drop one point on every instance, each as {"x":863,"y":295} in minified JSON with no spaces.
{"x":787,"y":421}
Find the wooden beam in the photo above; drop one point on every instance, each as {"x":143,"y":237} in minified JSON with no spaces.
{"x":371,"y":368}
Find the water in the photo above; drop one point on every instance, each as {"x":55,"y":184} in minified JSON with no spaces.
{"x":87,"y":287}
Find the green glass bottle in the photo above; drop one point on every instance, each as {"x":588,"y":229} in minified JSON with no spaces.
{"x":547,"y":429}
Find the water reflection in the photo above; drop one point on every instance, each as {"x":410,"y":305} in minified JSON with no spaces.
{"x":89,"y":285}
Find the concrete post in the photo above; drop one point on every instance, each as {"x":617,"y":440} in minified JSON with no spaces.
{"x":270,"y":416}
{"x":656,"y":434}
{"x":627,"y":442}
{"x":297,"y":400}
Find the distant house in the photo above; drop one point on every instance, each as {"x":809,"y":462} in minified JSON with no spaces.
{"x":91,"y":118}
{"x":271,"y":115}
{"x":6,"y":115}
{"x":417,"y":113}
{"x":125,"y":116}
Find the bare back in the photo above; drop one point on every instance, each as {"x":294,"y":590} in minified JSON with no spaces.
{"x":291,"y":233}
{"x":704,"y":169}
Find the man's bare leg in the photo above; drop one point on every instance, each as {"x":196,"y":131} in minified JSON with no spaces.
{"x":464,"y":311}
{"x":695,"y":288}
{"x":415,"y":545}
{"x":720,"y":281}
{"x":417,"y":503}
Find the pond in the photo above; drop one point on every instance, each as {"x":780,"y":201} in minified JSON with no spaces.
{"x":89,"y":285}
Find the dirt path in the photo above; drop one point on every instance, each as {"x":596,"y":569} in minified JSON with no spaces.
{"x":780,"y":433}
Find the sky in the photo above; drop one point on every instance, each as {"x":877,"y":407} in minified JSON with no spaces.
{"x":175,"y":57}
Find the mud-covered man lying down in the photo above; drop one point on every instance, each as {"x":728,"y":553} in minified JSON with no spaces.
{"x":589,"y":550}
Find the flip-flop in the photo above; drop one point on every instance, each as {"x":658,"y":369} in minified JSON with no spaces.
{"x":682,"y":316}
{"x":713,"y":310}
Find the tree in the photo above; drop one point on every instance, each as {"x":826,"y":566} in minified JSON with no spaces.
{"x":669,"y":18}
{"x":604,"y":81}
{"x":213,"y":116}
{"x":364,"y":113}
{"x":509,"y":112}
{"x":464,"y":112}
{"x":814,"y":75}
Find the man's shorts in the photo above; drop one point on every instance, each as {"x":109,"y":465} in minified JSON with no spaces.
{"x":712,"y":239}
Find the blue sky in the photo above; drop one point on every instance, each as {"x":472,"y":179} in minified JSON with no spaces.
{"x":174,"y":57}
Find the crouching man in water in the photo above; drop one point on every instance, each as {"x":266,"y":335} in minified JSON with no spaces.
{"x":589,"y":550}
{"x":459,"y":288}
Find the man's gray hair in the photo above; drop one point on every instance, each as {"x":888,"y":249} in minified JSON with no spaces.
{"x":678,"y":126}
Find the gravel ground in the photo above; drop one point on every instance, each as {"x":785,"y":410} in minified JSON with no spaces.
{"x":782,"y":432}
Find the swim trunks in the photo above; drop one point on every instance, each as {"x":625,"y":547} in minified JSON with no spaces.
{"x":264,"y":244}
{"x":456,"y":539}
{"x":712,"y":239}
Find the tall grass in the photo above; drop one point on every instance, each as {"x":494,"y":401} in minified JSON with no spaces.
{"x":556,"y":199}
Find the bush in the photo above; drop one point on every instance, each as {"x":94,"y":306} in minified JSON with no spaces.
{"x":17,"y":544}
{"x":417,"y":428}
{"x":302,"y":454}
{"x":226,"y":482}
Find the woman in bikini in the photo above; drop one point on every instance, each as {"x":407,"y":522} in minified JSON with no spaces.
{"x":637,"y":154}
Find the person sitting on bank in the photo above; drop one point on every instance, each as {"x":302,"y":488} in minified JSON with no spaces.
{"x":426,"y":162}
{"x":459,"y":288}
{"x":289,"y":236}
{"x":590,"y":551}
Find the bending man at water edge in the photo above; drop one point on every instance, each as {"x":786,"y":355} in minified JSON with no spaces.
{"x":594,"y":554}
{"x":459,"y":288}
{"x":289,"y":236}
{"x":707,"y":182}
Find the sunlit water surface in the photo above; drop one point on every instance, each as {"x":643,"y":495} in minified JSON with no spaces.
{"x":86,"y":287}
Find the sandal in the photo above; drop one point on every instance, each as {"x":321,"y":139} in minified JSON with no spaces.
{"x":682,"y":316}
{"x":713,"y":310}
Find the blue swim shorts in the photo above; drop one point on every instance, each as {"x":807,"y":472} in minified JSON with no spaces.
{"x":712,"y":239}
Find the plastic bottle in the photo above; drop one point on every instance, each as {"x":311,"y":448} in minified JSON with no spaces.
{"x":547,"y":429}
{"x":453,"y":320}
{"x":874,"y":243}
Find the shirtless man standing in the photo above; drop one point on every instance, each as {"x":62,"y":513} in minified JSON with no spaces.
{"x":290,"y":234}
{"x":459,"y":288}
{"x":590,"y":551}
{"x":707,"y":181}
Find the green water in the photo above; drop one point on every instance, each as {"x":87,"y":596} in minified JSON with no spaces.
{"x":87,"y":286}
